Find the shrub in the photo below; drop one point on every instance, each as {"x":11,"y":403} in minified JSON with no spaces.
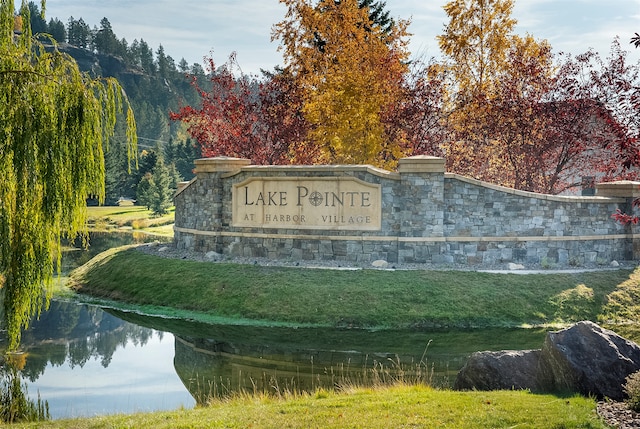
{"x":632,"y":389}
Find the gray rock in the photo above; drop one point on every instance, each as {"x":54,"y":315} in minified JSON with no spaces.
{"x":163,"y":249}
{"x":500,"y":370}
{"x":380,"y":263}
{"x":614,"y":264}
{"x":584,"y":358}
{"x":512,"y":266}
{"x":213,"y":255}
{"x":588,"y":359}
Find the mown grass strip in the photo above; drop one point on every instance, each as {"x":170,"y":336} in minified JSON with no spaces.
{"x":363,"y":298}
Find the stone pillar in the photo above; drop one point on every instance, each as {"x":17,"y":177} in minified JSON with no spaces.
{"x":181,"y":186}
{"x":220,"y":164}
{"x":209,"y":172}
{"x":199,"y":204}
{"x":421,"y":164}
{"x":421,"y":202}
{"x":423,"y":182}
{"x":621,"y":188}
{"x":630,"y":191}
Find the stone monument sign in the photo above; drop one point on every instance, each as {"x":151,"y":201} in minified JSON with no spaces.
{"x":297,"y":202}
{"x":417,"y":214}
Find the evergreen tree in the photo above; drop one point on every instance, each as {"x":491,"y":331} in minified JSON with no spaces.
{"x":105,"y":41}
{"x":144,"y":191}
{"x":146,"y":164}
{"x":156,"y":185}
{"x":146,"y":58}
{"x":120,"y":173}
{"x":161,"y":189}
{"x":79,"y":33}
{"x":162,"y":62}
{"x":181,"y":153}
{"x":117,"y":178}
{"x":183,"y":66}
{"x":197,"y":71}
{"x":378,"y":15}
{"x":38,"y":24}
{"x":57,"y":30}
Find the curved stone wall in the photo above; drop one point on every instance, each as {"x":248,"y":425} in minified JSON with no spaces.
{"x":418,"y":215}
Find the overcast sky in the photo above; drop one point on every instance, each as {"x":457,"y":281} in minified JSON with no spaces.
{"x":192,"y":29}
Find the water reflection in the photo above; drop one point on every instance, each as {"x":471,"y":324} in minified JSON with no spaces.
{"x":217,"y":367}
{"x":214,"y":369}
{"x":74,"y":334}
{"x":220,"y":360}
{"x":86,"y":361}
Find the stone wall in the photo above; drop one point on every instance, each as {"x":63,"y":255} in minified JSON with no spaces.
{"x":425,"y":216}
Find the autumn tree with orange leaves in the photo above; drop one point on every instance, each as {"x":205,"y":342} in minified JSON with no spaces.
{"x":475,"y":43}
{"x":345,"y":96}
{"x":351,"y":71}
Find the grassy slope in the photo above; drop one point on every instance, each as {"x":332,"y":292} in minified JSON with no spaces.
{"x":109,"y":218}
{"x":364,"y":298}
{"x":394,"y":407}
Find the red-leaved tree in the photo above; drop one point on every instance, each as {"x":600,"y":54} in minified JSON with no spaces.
{"x":246,"y":118}
{"x":549,"y":127}
{"x":418,"y":119}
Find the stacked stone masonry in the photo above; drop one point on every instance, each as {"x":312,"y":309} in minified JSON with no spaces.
{"x":425,"y":215}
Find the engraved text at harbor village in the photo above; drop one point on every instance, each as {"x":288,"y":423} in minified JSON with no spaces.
{"x":336,"y":203}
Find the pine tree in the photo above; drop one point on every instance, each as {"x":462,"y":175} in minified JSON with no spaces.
{"x":161,"y":191}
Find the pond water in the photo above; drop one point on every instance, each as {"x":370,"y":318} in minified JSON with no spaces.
{"x":85,"y":361}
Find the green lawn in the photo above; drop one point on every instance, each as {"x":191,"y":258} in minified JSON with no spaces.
{"x":110,"y":218}
{"x":390,"y":407}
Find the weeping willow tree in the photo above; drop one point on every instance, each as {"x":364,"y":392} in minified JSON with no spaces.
{"x":55,"y":124}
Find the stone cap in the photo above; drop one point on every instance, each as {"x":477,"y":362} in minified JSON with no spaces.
{"x":421,"y":164}
{"x":220,"y":164}
{"x":620,"y":188}
{"x":181,"y":186}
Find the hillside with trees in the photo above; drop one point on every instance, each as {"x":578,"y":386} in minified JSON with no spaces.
{"x":154,"y":84}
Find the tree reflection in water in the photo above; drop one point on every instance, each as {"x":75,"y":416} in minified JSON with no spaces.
{"x":74,"y":334}
{"x":15,"y":405}
{"x":69,"y":334}
{"x":85,"y":361}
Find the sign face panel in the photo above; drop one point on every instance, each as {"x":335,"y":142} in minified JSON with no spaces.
{"x":307,"y":203}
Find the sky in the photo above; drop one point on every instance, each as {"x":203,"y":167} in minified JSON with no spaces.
{"x":194,"y":29}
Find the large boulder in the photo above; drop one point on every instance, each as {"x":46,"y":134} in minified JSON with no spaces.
{"x":584,"y":358}
{"x":588,"y":359}
{"x":508,"y":369}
